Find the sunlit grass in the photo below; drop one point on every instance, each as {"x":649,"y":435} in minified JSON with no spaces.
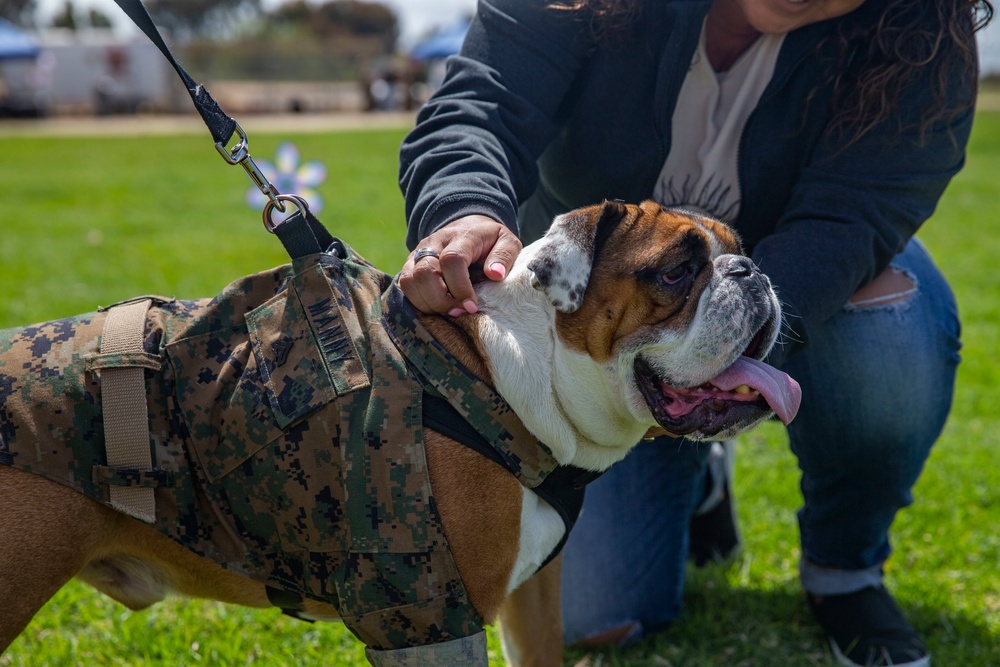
{"x":85,"y":222}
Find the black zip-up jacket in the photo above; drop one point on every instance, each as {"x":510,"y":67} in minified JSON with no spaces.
{"x":534,"y":119}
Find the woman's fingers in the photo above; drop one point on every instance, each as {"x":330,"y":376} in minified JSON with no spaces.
{"x":436,"y":276}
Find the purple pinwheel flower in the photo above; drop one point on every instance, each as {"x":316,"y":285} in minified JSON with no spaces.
{"x":291,"y":177}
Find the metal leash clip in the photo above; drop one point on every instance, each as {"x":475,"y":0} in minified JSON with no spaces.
{"x":240,"y":155}
{"x":221,"y":126}
{"x":297,"y":201}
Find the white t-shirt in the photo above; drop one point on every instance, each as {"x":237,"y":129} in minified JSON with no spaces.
{"x":700,"y":172}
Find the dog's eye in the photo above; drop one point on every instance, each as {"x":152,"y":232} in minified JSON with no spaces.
{"x":675,"y":275}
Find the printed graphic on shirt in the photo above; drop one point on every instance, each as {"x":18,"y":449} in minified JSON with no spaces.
{"x":710,"y":196}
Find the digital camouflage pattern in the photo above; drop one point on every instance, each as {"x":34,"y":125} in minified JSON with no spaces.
{"x":522,"y":454}
{"x":286,"y":439}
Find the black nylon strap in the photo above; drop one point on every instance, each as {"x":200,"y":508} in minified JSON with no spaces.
{"x":303,"y":234}
{"x":438,"y":415}
{"x":219,"y":124}
{"x":291,"y":604}
{"x":563,"y":489}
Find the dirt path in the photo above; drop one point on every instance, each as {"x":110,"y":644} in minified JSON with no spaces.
{"x":192,"y":124}
{"x":989,"y":100}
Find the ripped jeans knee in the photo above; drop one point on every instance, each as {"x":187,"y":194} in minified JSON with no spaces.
{"x":892,"y":286}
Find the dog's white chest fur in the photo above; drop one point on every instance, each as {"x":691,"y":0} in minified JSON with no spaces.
{"x":541,"y":530}
{"x":560,"y":394}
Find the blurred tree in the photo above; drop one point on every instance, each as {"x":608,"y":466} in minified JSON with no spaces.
{"x":19,"y":12}
{"x":296,"y":40}
{"x":340,"y":18}
{"x":69,"y":19}
{"x":66,"y":18}
{"x":98,"y":19}
{"x":203,"y":18}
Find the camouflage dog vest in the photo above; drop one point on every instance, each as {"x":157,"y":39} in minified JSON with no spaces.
{"x":285,"y":425}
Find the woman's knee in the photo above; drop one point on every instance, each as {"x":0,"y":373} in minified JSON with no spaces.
{"x":878,"y":377}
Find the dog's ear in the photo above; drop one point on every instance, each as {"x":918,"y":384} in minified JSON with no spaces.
{"x":561,"y":266}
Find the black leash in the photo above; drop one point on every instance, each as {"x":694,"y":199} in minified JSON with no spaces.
{"x":219,"y":124}
{"x":301,"y":233}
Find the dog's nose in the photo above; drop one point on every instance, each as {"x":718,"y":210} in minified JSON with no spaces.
{"x":739,"y":267}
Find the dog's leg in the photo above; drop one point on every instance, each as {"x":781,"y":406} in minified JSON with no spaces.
{"x":138,"y":567}
{"x":50,"y":533}
{"x":531,"y":620}
{"x":46,"y":534}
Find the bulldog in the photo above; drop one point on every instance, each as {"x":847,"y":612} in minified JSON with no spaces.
{"x":311,"y":442}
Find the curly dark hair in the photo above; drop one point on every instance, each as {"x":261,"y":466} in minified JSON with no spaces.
{"x":610,"y":20}
{"x":928,"y":41}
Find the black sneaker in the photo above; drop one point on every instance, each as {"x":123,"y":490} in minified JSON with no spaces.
{"x":867,"y":629}
{"x":713,"y":530}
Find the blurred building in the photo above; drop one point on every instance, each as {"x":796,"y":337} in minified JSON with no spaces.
{"x":89,"y":71}
{"x":97,"y":71}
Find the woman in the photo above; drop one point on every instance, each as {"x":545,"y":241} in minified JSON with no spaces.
{"x":825,"y":132}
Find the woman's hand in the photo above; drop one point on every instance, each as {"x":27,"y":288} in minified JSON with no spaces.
{"x":441,"y":283}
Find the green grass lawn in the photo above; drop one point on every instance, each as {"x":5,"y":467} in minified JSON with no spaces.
{"x":85,"y":222}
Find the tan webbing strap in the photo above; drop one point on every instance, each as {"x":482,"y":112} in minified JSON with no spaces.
{"x":126,"y":419}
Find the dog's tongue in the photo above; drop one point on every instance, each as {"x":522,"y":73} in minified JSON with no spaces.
{"x":780,"y":391}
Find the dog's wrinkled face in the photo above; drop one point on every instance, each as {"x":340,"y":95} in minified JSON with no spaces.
{"x":676,"y":317}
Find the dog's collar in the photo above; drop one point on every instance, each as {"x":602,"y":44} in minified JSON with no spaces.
{"x":527,"y":458}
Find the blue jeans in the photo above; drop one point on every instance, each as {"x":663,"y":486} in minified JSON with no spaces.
{"x":877,"y":384}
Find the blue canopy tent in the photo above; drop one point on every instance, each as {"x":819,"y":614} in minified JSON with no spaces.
{"x":15,"y":43}
{"x":442,"y":43}
{"x":18,"y":54}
